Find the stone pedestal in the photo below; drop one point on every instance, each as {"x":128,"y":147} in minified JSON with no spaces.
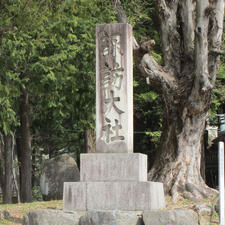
{"x":113,"y":167}
{"x":133,"y":196}
{"x":113,"y":181}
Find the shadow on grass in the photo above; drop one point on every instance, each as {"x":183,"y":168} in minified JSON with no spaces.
{"x":13,"y":220}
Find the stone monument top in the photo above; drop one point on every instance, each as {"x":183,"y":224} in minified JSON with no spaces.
{"x":114,"y":88}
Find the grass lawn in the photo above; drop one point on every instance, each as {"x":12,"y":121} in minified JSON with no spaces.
{"x":17,"y":211}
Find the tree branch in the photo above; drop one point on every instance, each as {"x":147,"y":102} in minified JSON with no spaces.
{"x":216,"y":14}
{"x":216,"y":52}
{"x":1,"y":162}
{"x":7,"y":28}
{"x":148,"y":66}
{"x":122,"y":18}
{"x":170,"y":38}
{"x":187,"y":26}
{"x":121,"y":15}
{"x":202,"y":81}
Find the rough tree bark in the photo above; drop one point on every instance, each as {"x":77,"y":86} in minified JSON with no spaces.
{"x":89,"y":140}
{"x":1,"y":163}
{"x":6,"y":167}
{"x":191,"y":34}
{"x":8,"y":175}
{"x":15,"y":168}
{"x":24,"y":150}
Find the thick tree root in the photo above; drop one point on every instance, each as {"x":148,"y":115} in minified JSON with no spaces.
{"x":177,"y":183}
{"x":196,"y":193}
{"x":192,"y":191}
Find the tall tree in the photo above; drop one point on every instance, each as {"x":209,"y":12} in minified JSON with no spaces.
{"x":8,"y":173}
{"x":24,"y":150}
{"x":190,"y":36}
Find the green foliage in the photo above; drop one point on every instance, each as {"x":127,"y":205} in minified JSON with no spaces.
{"x":67,"y":68}
{"x":155,"y":135}
{"x":8,"y":116}
{"x":218,"y":95}
{"x":48,"y":48}
{"x":142,"y":16}
{"x":157,"y":57}
{"x":147,"y":117}
{"x":36,"y":194}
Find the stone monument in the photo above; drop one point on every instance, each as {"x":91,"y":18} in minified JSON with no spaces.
{"x":113,"y":178}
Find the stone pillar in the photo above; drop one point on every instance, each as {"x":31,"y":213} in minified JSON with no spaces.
{"x":114,"y":88}
{"x":113,"y":178}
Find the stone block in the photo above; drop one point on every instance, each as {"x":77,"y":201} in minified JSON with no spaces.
{"x":170,"y":217}
{"x":113,"y":196}
{"x":113,"y":167}
{"x":74,"y":196}
{"x":114,"y":217}
{"x":55,"y":172}
{"x":204,"y":213}
{"x":52,"y":217}
{"x":4,"y":214}
{"x":125,"y":195}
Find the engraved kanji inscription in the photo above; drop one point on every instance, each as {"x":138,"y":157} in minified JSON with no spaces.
{"x":116,"y":128}
{"x":111,"y":103}
{"x":112,"y":132}
{"x":111,"y":83}
{"x":114,"y":88}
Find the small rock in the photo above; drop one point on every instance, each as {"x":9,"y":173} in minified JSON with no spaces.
{"x":204,"y":214}
{"x":55,"y":172}
{"x":189,"y":195}
{"x":170,"y":217}
{"x":52,"y":217}
{"x":108,"y":217}
{"x":4,"y":215}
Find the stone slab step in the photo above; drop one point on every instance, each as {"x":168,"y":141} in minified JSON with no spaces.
{"x":113,"y":196}
{"x":113,"y":167}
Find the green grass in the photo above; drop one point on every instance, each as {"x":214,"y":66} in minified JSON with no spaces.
{"x":17,"y":211}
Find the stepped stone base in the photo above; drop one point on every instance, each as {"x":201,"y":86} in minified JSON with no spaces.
{"x":113,"y":181}
{"x":133,"y":195}
{"x":113,"y":167}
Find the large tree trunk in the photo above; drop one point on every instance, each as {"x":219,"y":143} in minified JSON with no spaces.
{"x":15,"y":168}
{"x":191,"y":33}
{"x":178,"y":160}
{"x":24,"y":154}
{"x":89,"y":140}
{"x":8,"y":175}
{"x":1,"y":163}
